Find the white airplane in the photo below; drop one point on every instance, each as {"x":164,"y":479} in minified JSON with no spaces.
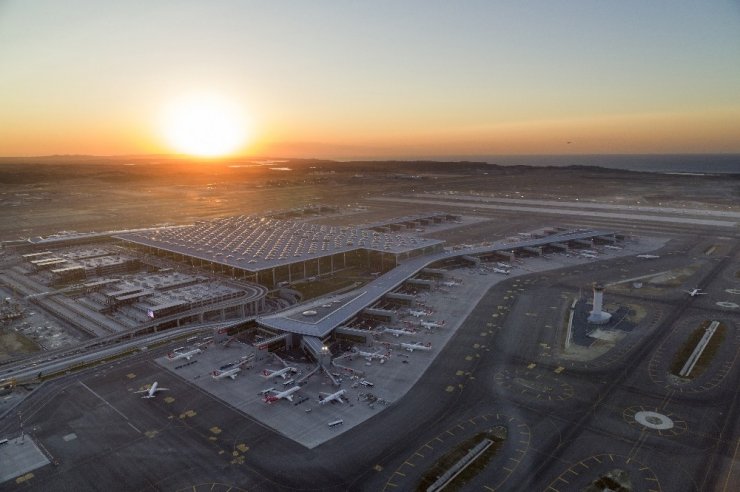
{"x":152,"y":391}
{"x":501,"y":270}
{"x":450,"y":283}
{"x":432,"y":324}
{"x":588,"y":255}
{"x":417,"y":313}
{"x":332,"y":397}
{"x":228,"y":373}
{"x":417,"y":346}
{"x":609,"y":246}
{"x":398,"y":333}
{"x":695,"y":292}
{"x":283,"y":373}
{"x":503,"y":265}
{"x":371,"y":355}
{"x":275,"y":395}
{"x":183,"y":355}
{"x":648,"y":257}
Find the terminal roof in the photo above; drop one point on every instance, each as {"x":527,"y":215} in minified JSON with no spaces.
{"x":320,"y":317}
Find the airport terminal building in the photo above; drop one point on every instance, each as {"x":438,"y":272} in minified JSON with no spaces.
{"x":271,"y":251}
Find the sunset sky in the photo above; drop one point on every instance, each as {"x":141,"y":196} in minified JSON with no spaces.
{"x":346,"y":79}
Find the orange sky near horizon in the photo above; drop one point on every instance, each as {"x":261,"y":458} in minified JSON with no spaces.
{"x":332,"y":80}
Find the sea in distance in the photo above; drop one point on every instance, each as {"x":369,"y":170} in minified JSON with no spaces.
{"x":655,"y":163}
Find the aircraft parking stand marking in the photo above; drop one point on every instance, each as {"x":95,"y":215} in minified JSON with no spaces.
{"x":657,"y":366}
{"x":413,"y":467}
{"x":24,"y":478}
{"x":579,"y":481}
{"x":535,"y":382}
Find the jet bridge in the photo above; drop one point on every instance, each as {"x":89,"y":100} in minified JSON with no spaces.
{"x":401,"y":298}
{"x":419,"y":282}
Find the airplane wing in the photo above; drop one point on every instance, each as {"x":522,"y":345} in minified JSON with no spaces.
{"x":149,"y":389}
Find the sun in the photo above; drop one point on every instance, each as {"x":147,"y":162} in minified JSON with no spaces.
{"x":205,"y":126}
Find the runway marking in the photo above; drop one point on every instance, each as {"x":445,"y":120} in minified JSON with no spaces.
{"x":450,"y":389}
{"x":531,"y":366}
{"x":134,"y":427}
{"x":409,"y":463}
{"x":131,"y":375}
{"x":559,"y":369}
{"x":106,"y":402}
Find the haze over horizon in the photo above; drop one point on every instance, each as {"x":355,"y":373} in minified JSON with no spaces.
{"x":336,"y":80}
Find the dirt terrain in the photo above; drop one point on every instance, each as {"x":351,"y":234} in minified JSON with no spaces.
{"x":46,"y":195}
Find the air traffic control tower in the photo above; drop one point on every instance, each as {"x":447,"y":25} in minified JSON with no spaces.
{"x":598,"y":316}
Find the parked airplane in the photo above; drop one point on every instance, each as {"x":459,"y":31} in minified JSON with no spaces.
{"x":371,"y":355}
{"x":279,"y":395}
{"x":609,"y":246}
{"x":283,"y":373}
{"x":588,"y":255}
{"x":229,"y":373}
{"x":183,"y":355}
{"x":152,"y":391}
{"x":417,"y":313}
{"x":417,"y":346}
{"x":648,"y":257}
{"x":503,"y":265}
{"x":432,"y":324}
{"x":695,"y":292}
{"x":501,"y":270}
{"x":398,"y":333}
{"x":450,"y":283}
{"x":332,"y":397}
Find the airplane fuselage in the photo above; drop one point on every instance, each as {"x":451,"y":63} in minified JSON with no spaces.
{"x":287,"y":394}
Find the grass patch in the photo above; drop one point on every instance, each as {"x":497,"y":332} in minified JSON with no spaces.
{"x":13,"y":343}
{"x":498,"y":435}
{"x":706,"y":357}
{"x":346,"y":279}
{"x":636,"y":313}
